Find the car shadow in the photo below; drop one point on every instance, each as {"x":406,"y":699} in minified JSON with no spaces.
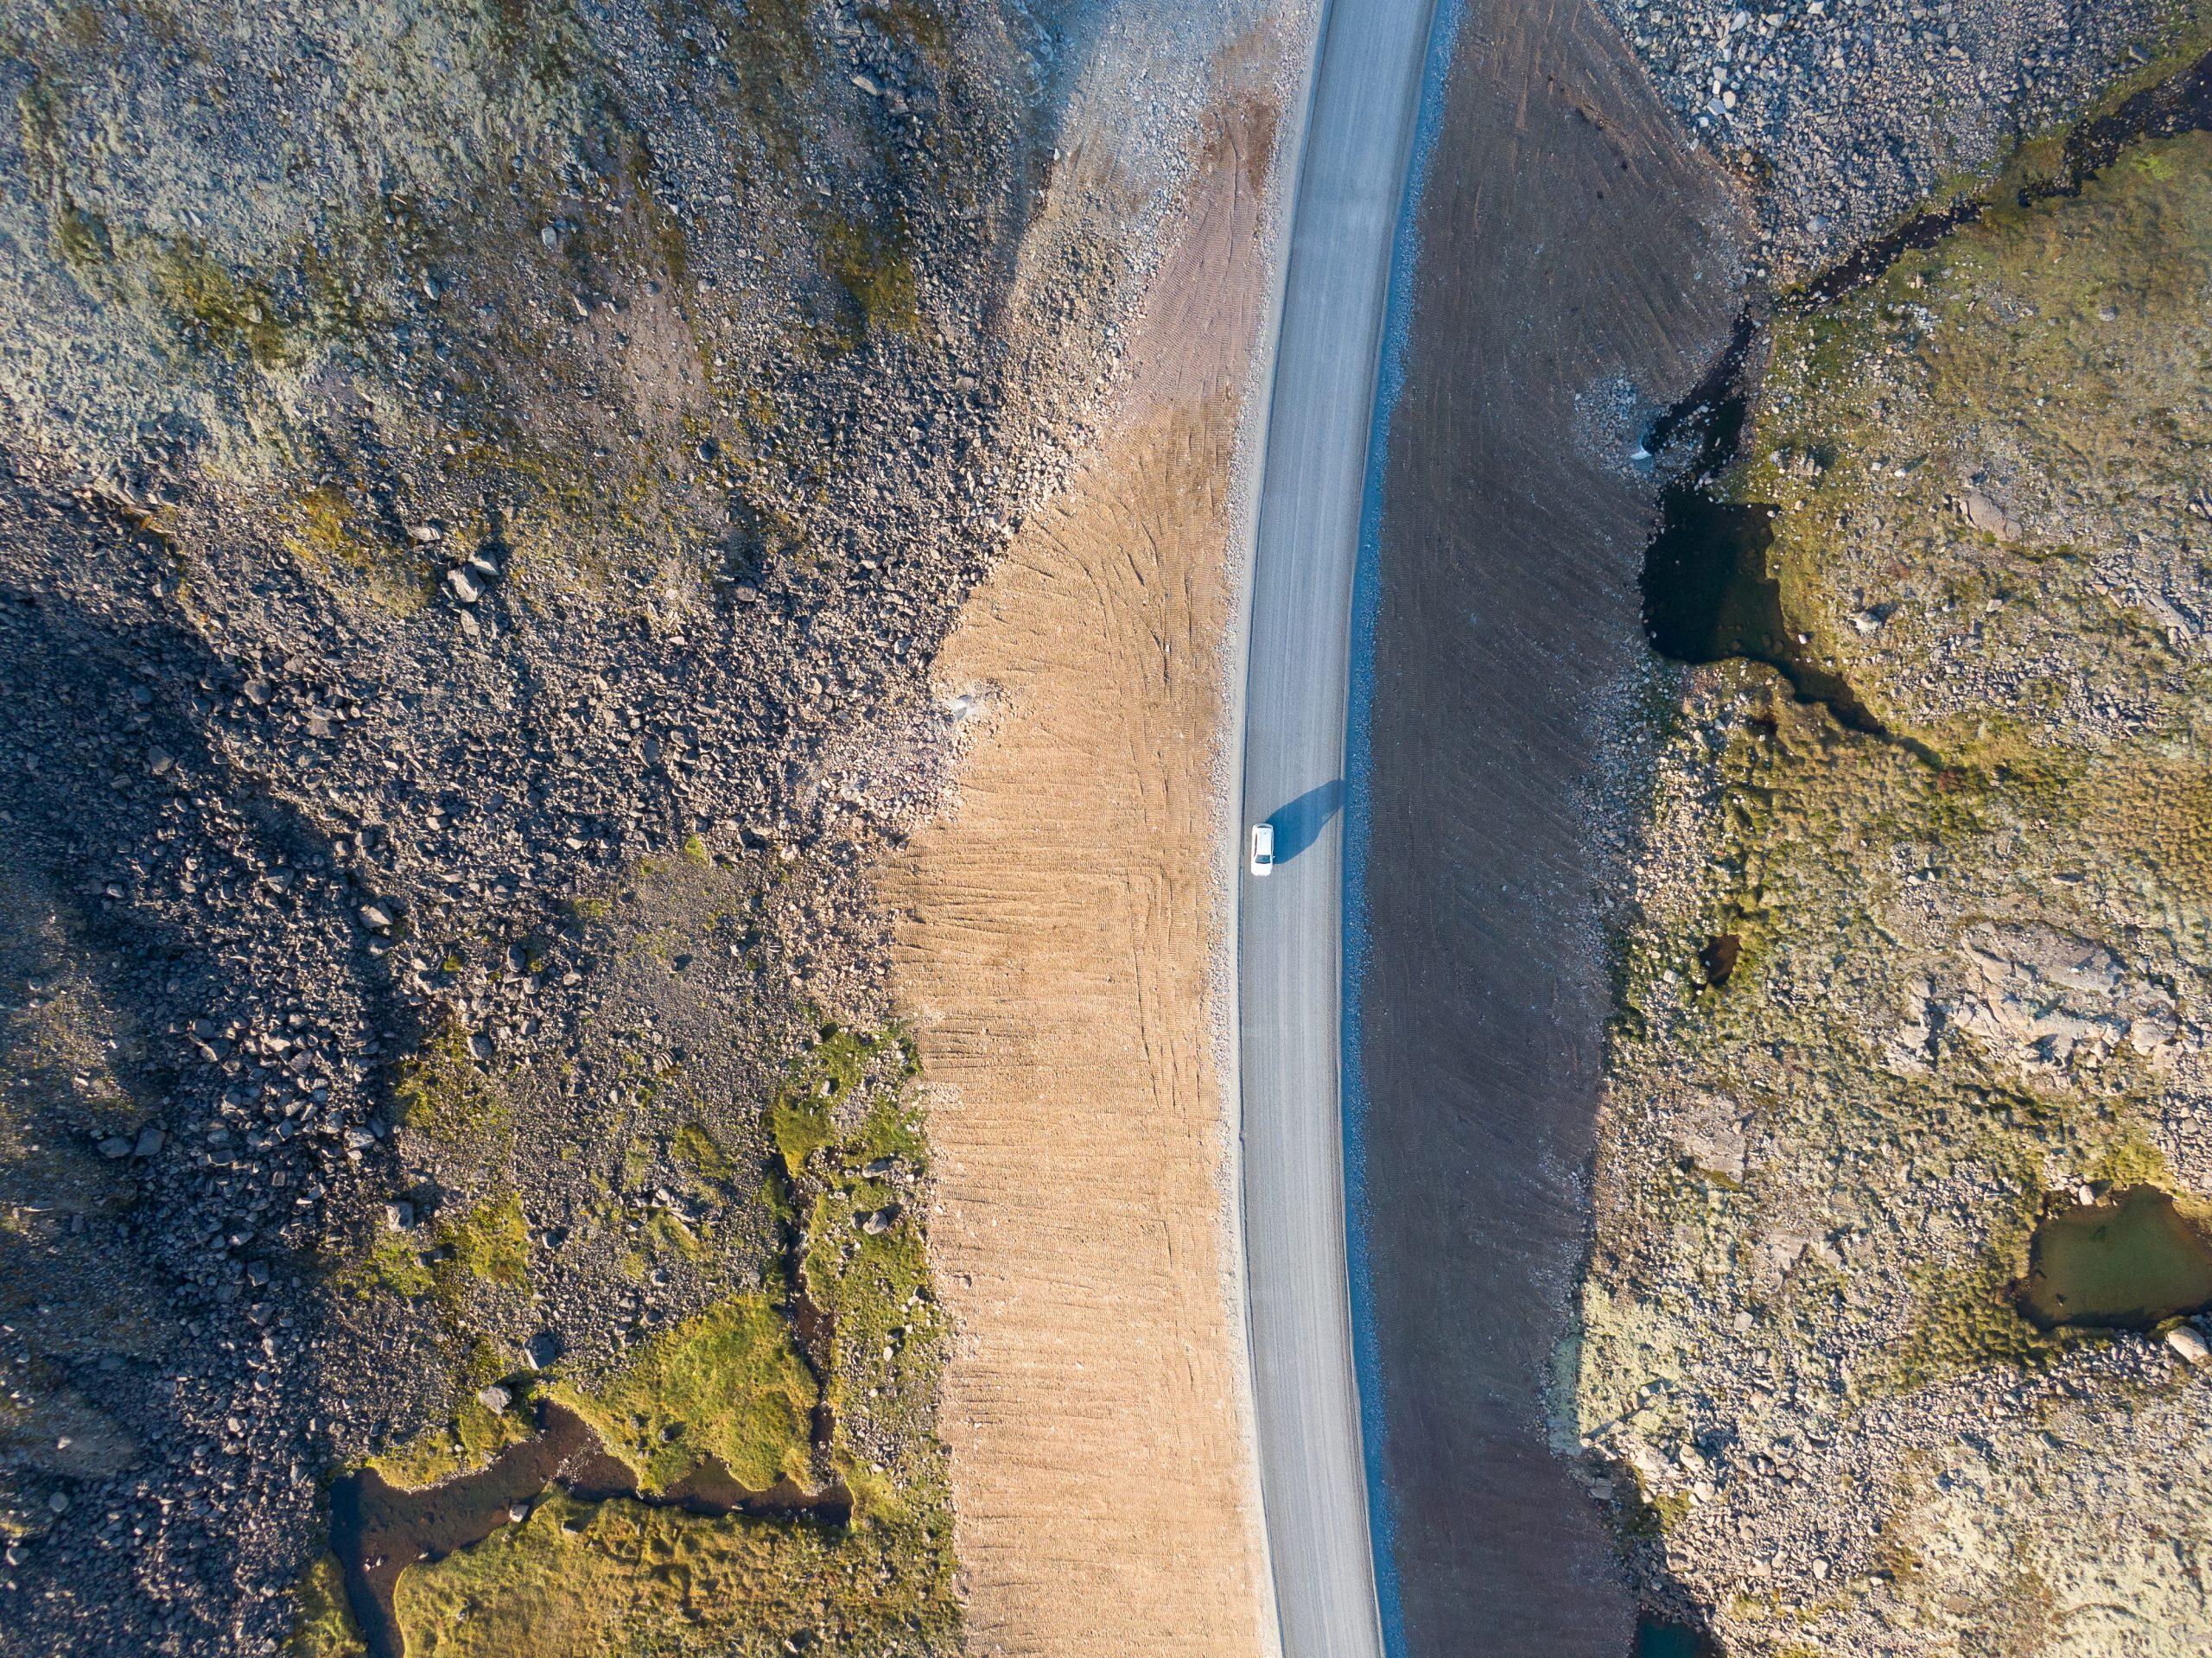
{"x":1299,"y":823}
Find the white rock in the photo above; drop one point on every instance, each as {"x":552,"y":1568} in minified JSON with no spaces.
{"x":2186,"y":1344}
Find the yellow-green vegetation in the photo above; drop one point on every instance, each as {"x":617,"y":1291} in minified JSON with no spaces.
{"x":803,"y":1116}
{"x":212,"y":309}
{"x":874,"y":1282}
{"x":732,"y":1385}
{"x":489,"y":1244}
{"x":698,"y":1150}
{"x":873,"y":268}
{"x":1968,"y":962}
{"x":2132,"y":1159}
{"x":477,"y":1432}
{"x":491,"y":1241}
{"x":326,"y":533}
{"x":727,"y":1385}
{"x":394,"y":1265}
{"x":446,"y":1096}
{"x":863,"y":1263}
{"x":476,"y":1435}
{"x":1986,"y":462}
{"x":608,"y":1579}
{"x":324,"y":1626}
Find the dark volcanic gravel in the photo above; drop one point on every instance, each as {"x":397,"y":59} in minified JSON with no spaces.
{"x":1578,"y":274}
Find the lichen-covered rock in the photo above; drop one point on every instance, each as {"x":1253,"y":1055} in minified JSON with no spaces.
{"x":2036,"y":998}
{"x":1973,"y":965}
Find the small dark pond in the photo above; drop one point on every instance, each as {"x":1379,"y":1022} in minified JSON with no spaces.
{"x":1656,"y":1639}
{"x":377,"y":1530}
{"x":2127,"y":1263}
{"x":1708,"y":592}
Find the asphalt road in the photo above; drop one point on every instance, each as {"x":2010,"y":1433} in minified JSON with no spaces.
{"x":1365,"y":95}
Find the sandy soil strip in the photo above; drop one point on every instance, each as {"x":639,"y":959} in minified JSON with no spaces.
{"x":1057,"y":956}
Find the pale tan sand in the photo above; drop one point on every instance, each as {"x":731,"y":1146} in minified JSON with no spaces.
{"x":1058,"y":953}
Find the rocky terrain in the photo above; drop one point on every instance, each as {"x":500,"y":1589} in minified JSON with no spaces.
{"x":482,"y":486}
{"x":1839,"y":116}
{"x":1919,"y":970}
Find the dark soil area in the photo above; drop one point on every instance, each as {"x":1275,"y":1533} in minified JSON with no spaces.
{"x":1708,"y":593}
{"x":1573,"y":253}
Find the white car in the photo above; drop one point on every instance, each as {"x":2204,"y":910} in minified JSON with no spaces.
{"x":1264,"y":847}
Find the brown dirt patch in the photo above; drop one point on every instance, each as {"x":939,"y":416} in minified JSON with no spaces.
{"x":1057,"y":953}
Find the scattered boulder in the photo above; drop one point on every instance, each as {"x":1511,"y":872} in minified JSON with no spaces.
{"x":2035,"y":998}
{"x":1713,"y":1143}
{"x":1985,"y":512}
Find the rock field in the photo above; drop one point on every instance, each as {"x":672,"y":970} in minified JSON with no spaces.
{"x":1839,"y":116}
{"x":482,"y":486}
{"x":1900,"y":988}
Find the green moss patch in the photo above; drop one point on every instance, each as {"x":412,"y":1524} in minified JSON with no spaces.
{"x":445,"y":1096}
{"x":324,"y":1626}
{"x":492,"y":1242}
{"x":596,"y":1580}
{"x":393,"y":1265}
{"x":1952,"y":449}
{"x":727,"y":1385}
{"x":476,"y":1435}
{"x":803,"y":1116}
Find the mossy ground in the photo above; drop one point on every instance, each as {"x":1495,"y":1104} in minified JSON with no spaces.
{"x":803,"y":1115}
{"x":732,"y":1385}
{"x":727,"y":1385}
{"x":594,"y":1580}
{"x":326,"y":1627}
{"x":476,"y":1435}
{"x":446,"y":1096}
{"x":1818,"y":1178}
